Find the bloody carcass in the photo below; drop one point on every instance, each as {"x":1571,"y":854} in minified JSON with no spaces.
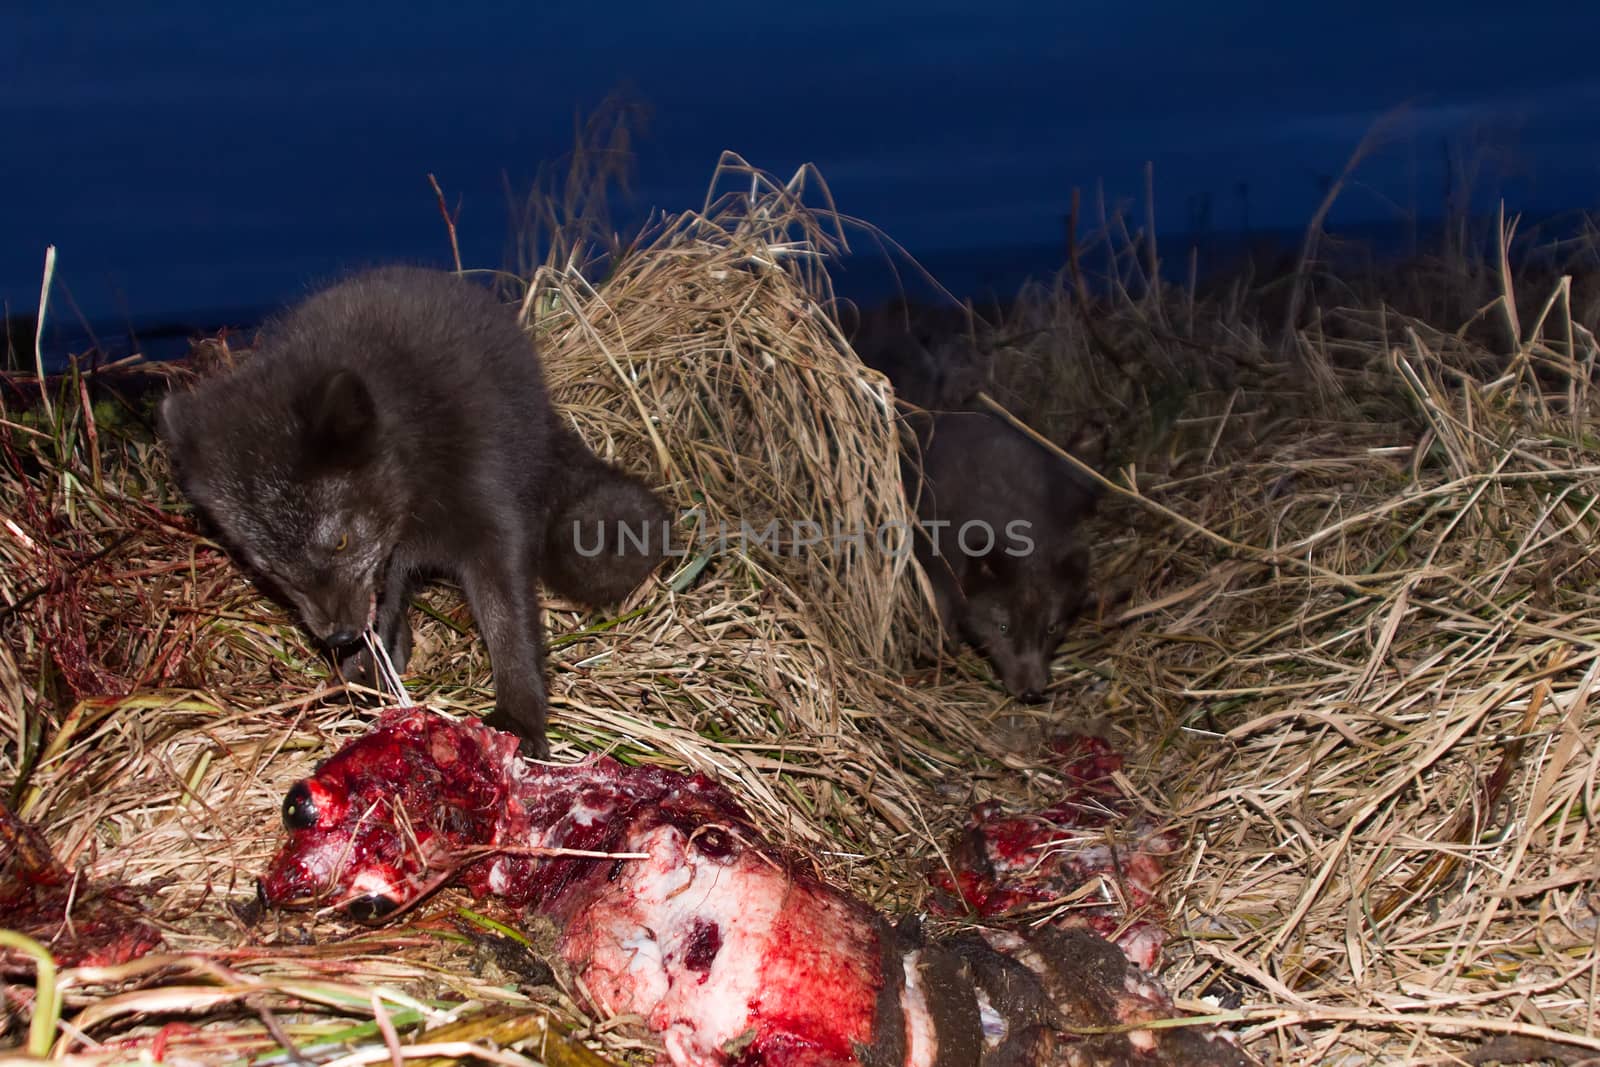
{"x":670,"y":904}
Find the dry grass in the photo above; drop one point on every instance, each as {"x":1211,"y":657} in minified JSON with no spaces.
{"x":1358,"y":658}
{"x":1345,"y":641}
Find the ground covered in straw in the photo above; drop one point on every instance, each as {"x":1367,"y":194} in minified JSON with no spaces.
{"x":1343,"y":634}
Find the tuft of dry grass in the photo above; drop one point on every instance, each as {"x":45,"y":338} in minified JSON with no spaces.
{"x":1358,"y":648}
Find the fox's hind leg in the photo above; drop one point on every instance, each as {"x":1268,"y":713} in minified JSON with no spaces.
{"x":504,"y":598}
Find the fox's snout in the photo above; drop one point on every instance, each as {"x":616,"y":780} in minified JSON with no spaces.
{"x":1025,"y":677}
{"x":339,"y":619}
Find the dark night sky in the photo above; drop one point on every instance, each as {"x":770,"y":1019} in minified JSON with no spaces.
{"x":200,"y":155}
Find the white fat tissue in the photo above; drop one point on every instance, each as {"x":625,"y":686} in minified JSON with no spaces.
{"x":375,"y":883}
{"x":585,"y":814}
{"x":1140,"y":986}
{"x":995,"y":1027}
{"x":1142,"y":1040}
{"x":674,"y":888}
{"x":645,"y":969}
{"x":499,"y":881}
{"x":1142,"y":944}
{"x":922,"y":1041}
{"x":712,"y":947}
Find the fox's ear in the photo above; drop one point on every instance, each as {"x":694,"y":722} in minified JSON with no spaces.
{"x":169,"y":421}
{"x":341,"y":418}
{"x":1090,"y":444}
{"x":176,"y":432}
{"x":172,"y":427}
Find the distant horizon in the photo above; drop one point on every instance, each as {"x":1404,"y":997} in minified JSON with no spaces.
{"x":863,"y":277}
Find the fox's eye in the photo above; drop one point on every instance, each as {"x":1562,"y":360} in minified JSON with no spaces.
{"x":1055,"y":628}
{"x":343,"y":543}
{"x":1005,"y":627}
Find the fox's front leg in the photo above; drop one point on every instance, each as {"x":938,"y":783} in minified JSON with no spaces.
{"x":391,"y":626}
{"x":945,"y":574}
{"x":505,"y":603}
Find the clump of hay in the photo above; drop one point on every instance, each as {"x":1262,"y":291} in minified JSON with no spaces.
{"x":1393,"y":683}
{"x":705,"y":359}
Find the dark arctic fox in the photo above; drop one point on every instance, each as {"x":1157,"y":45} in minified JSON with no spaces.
{"x":998,"y":540}
{"x":392,"y":427}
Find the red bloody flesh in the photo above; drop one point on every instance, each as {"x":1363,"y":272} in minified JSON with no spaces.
{"x":734,"y":951}
{"x":1007,"y":862}
{"x":81,"y":923}
{"x":782,"y":962}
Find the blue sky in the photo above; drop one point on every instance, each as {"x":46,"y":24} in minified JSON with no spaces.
{"x":201,"y":155}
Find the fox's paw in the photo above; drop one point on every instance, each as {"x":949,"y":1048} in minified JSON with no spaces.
{"x":356,"y":665}
{"x":357,"y":669}
{"x":532,"y":744}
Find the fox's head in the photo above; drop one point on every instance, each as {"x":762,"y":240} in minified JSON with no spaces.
{"x":299,"y":482}
{"x":1018,"y":614}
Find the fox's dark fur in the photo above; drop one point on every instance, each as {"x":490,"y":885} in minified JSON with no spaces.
{"x":1014,"y":599}
{"x":589,"y":558}
{"x":394,"y":426}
